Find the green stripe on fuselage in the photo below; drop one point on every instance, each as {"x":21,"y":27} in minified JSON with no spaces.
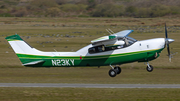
{"x":90,"y":60}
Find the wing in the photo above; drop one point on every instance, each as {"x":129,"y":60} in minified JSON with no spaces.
{"x":112,"y":37}
{"x":122,"y":34}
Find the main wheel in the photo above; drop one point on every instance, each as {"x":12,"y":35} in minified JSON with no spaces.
{"x":149,"y":68}
{"x":112,"y":73}
{"x":118,"y":70}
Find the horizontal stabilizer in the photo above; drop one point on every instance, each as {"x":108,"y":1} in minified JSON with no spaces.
{"x":34,"y":63}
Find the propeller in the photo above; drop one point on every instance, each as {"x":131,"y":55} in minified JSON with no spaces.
{"x":168,"y":41}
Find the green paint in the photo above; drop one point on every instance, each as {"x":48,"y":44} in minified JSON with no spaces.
{"x":13,"y":38}
{"x":112,"y":37}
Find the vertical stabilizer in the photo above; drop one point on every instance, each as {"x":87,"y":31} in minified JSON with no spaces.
{"x":19,"y":45}
{"x":23,"y":50}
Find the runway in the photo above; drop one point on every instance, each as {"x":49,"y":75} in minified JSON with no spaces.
{"x":64,"y":85}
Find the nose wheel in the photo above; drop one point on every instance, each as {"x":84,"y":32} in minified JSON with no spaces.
{"x":149,"y":68}
{"x":114,"y":71}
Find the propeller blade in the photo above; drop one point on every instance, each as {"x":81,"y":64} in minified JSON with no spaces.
{"x":166,"y":31}
{"x":168,"y":41}
{"x":169,"y":54}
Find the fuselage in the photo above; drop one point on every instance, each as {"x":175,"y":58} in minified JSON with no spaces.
{"x":141,"y":51}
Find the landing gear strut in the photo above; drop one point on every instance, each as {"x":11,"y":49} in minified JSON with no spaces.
{"x":149,"y":68}
{"x":114,"y":71}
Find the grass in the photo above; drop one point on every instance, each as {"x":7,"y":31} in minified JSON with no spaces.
{"x":88,"y":94}
{"x":88,"y":75}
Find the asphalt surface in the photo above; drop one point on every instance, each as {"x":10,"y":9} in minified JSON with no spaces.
{"x":63,"y":85}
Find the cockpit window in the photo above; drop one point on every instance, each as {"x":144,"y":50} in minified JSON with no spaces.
{"x":131,"y":40}
{"x":128,"y":41}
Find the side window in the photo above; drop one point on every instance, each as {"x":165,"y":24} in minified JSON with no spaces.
{"x":92,"y":50}
{"x":97,"y":49}
{"x":102,"y":48}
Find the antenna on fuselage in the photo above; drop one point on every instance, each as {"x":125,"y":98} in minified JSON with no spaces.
{"x":109,"y":31}
{"x":55,"y":50}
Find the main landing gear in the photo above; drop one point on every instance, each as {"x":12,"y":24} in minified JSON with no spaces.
{"x":149,"y":67}
{"x":114,"y":71}
{"x":117,"y":70}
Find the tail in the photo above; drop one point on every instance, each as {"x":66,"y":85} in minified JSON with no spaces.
{"x":19,"y":45}
{"x":24,"y":51}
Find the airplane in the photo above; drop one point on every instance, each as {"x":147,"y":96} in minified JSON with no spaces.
{"x":115,"y":49}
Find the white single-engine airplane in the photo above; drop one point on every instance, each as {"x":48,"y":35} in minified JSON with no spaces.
{"x":115,"y":49}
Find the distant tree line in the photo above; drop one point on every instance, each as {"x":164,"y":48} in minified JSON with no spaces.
{"x":89,"y":8}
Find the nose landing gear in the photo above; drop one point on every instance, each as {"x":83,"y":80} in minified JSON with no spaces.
{"x":114,"y":71}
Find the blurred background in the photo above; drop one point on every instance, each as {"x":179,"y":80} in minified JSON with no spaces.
{"x":89,"y":8}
